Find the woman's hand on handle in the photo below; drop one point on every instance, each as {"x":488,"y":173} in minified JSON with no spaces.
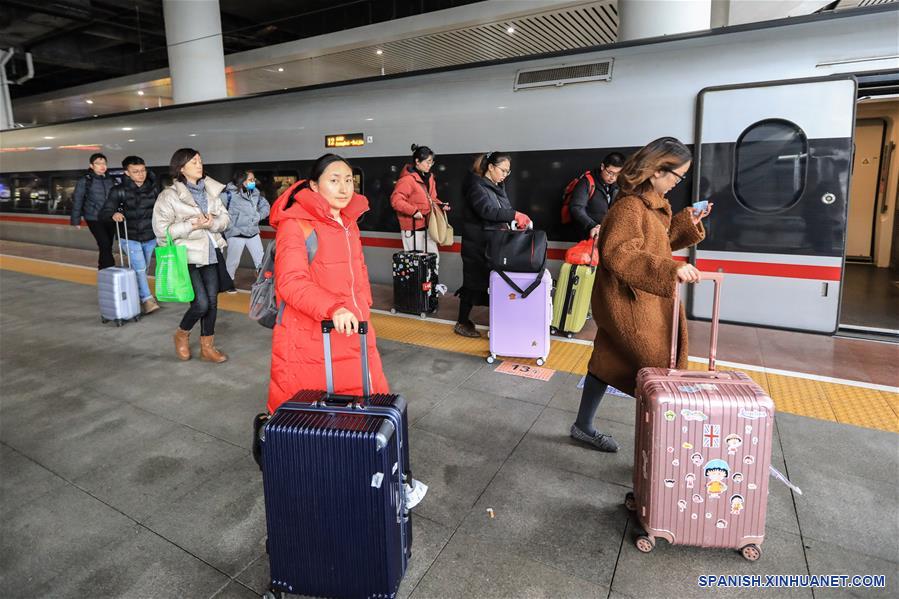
{"x":688,"y":274}
{"x":345,"y":322}
{"x":594,"y":232}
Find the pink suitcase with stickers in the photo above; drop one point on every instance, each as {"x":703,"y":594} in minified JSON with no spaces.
{"x":701,"y":454}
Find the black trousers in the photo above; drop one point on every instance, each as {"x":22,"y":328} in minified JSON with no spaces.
{"x":205,"y":281}
{"x":104,"y":233}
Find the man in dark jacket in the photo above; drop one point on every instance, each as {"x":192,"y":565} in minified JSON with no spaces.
{"x":132,"y":201}
{"x":587,"y":211}
{"x":88,"y":201}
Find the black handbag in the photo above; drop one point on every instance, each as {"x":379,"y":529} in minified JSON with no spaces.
{"x":226,"y":283}
{"x":517,"y":250}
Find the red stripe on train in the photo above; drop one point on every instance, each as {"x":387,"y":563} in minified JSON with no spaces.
{"x":737,"y":267}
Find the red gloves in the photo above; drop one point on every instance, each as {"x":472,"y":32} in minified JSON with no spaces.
{"x":522,"y":220}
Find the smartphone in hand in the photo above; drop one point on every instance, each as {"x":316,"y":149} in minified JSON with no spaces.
{"x":700,"y":207}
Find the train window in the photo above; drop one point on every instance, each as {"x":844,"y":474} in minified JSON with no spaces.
{"x":30,"y":194}
{"x":271,"y":184}
{"x":5,"y":195}
{"x":62,"y":190}
{"x":358,"y":179}
{"x":771,"y":166}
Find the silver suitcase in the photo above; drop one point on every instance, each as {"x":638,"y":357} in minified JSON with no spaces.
{"x":117,"y":289}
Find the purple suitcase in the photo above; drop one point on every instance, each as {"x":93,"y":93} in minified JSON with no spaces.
{"x":519,"y":326}
{"x":702,"y":454}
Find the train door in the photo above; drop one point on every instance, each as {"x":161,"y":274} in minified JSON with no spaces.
{"x":775,"y":159}
{"x":870,"y":286}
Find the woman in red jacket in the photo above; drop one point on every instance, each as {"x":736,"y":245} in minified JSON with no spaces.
{"x":411,"y":198}
{"x":333,"y":286}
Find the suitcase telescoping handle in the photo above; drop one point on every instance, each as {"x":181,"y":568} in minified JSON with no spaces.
{"x":330,"y":396}
{"x":414,"y":237}
{"x":717,"y":277}
{"x":124,"y":225}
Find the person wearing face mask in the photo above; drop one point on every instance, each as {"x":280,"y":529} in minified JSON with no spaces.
{"x":191,"y":211}
{"x":412,"y":196}
{"x":246,"y":207}
{"x":334,"y":285}
{"x":633,"y":293}
{"x":487,"y":207}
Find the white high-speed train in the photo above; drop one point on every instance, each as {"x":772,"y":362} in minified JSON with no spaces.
{"x":769,"y":110}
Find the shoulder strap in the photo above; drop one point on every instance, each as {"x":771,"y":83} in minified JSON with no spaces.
{"x":591,"y":182}
{"x":311,"y":238}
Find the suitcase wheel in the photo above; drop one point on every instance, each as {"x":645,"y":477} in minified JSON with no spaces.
{"x":569,"y":335}
{"x":423,"y":315}
{"x":645,"y":543}
{"x":751,"y":552}
{"x":274,"y":595}
{"x":553,"y":331}
{"x":119,"y":322}
{"x":540,"y":361}
{"x":491,"y":359}
{"x":630,"y":502}
{"x":393,"y":310}
{"x":103,"y":320}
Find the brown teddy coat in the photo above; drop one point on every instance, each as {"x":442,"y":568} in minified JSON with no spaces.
{"x":633,"y":295}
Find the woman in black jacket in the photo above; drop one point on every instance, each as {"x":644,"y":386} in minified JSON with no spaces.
{"x":487,"y":207}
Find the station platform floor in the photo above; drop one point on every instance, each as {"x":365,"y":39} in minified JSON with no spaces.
{"x":125,"y":473}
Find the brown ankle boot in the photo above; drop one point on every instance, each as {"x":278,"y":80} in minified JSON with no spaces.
{"x":208,"y":351}
{"x":182,"y":344}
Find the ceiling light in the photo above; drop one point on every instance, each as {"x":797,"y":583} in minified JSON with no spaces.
{"x":146,"y":108}
{"x":501,"y":107}
{"x":49,"y":137}
{"x":510,"y":30}
{"x":379,"y":52}
{"x":193,"y":135}
{"x":89,"y":101}
{"x":280,"y":69}
{"x":369,"y":119}
{"x":140,"y":92}
{"x":127,"y":128}
{"x":130,"y":140}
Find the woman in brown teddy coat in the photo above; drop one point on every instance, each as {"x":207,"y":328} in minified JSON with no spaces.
{"x":634,"y":290}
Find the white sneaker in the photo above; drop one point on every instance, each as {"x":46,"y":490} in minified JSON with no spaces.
{"x":415,"y":493}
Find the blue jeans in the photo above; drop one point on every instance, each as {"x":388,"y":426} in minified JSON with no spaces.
{"x":140,"y":253}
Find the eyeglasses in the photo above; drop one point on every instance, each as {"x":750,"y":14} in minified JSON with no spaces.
{"x":680,"y":178}
{"x":506,"y":171}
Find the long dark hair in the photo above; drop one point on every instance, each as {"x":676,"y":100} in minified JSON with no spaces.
{"x":484,"y":160}
{"x":663,"y":154}
{"x":420,"y":153}
{"x":181,"y":157}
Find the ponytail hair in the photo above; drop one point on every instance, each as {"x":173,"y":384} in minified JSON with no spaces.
{"x":663,"y":154}
{"x":420,"y":153}
{"x":484,"y":160}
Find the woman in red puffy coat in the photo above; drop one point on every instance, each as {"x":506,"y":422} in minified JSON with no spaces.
{"x":333,"y":286}
{"x":411,"y":198}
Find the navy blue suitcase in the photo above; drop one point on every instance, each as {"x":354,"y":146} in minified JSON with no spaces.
{"x":333,"y":470}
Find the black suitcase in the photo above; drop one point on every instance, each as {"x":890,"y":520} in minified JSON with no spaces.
{"x":415,"y":281}
{"x":333,"y":471}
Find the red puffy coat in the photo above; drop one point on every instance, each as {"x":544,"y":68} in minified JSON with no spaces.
{"x":336,"y":278}
{"x":409,"y":196}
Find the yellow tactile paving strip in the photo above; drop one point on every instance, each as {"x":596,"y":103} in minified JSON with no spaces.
{"x":846,"y":404}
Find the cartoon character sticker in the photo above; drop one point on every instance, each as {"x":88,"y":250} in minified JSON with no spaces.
{"x":696,"y":458}
{"x":670,"y":415}
{"x":669,"y":482}
{"x":697,"y":498}
{"x":690,"y":478}
{"x":749,"y":460}
{"x":721,"y":524}
{"x":733,"y":441}
{"x":682,"y":504}
{"x":716,"y":471}
{"x":737,"y":478}
{"x":675,"y":462}
{"x":737,"y":504}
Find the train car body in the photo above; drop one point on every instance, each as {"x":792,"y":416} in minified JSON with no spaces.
{"x":769,"y":111}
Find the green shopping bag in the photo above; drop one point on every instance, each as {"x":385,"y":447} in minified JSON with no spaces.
{"x":172,"y":278}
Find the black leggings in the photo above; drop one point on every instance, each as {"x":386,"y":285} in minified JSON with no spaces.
{"x":464,"y":310}
{"x":594,"y":389}
{"x":205,"y":280}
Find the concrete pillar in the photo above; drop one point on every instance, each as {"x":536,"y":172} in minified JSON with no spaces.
{"x":639,"y":19}
{"x":193,"y":34}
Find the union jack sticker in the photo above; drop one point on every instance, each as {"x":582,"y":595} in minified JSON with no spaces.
{"x":711,"y":435}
